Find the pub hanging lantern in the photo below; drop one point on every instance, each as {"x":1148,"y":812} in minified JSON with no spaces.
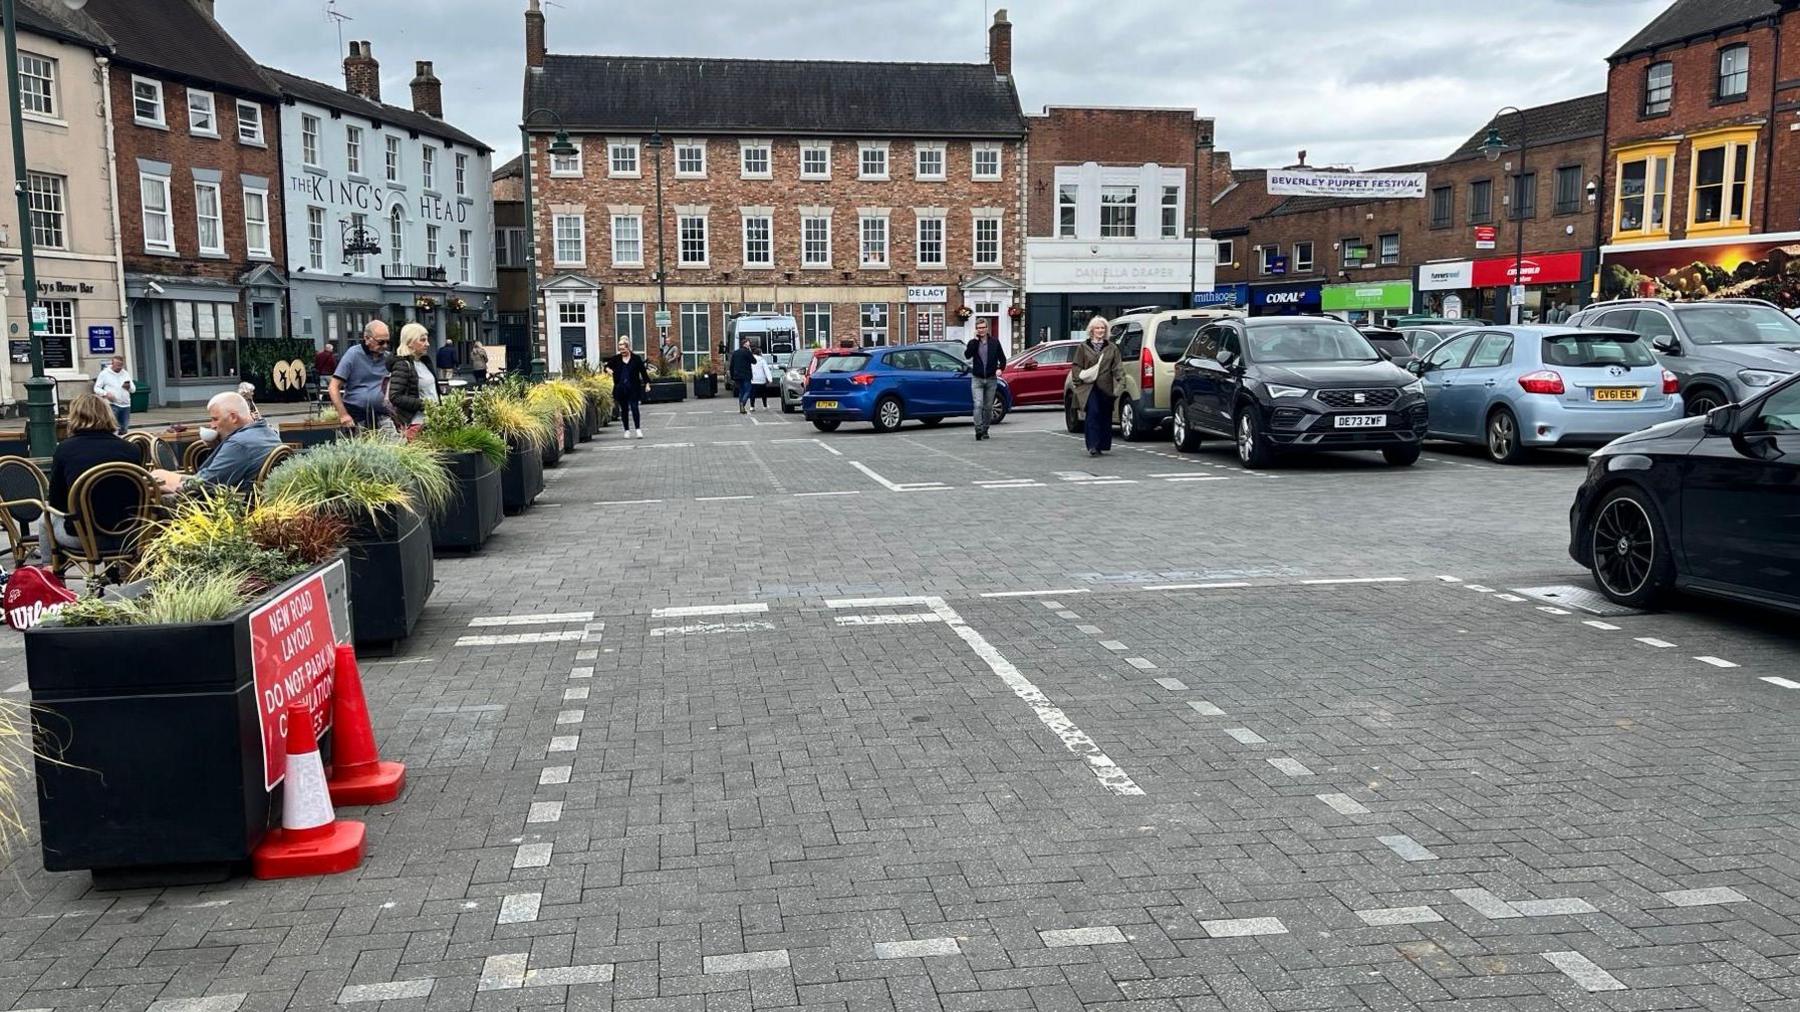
{"x":359,"y":240}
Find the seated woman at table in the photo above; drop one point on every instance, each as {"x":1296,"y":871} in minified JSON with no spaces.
{"x":92,"y":441}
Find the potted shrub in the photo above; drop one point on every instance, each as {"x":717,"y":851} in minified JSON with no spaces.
{"x":548,"y":406}
{"x":667,"y":383}
{"x":474,"y":456}
{"x":181,"y":655}
{"x":572,"y":408}
{"x":706,"y":380}
{"x":322,"y":427}
{"x":386,"y":491}
{"x":500,"y":408}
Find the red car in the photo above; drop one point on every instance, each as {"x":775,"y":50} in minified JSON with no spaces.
{"x":1037,"y":376}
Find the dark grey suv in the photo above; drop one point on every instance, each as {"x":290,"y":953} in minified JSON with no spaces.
{"x":1721,"y":351}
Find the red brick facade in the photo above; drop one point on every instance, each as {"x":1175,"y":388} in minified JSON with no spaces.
{"x":1072,"y":136}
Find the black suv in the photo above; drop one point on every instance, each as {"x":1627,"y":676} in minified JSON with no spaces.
{"x":1279,"y":384}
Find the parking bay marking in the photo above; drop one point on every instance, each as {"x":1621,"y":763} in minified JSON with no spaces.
{"x":545,"y":618}
{"x":708,"y":628}
{"x":691,"y":611}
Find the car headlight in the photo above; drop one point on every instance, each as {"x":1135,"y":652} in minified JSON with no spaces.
{"x":1415,"y":387}
{"x":1760,"y":377}
{"x":1276,"y":390}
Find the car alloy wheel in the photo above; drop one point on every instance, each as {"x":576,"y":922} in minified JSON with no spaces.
{"x":1624,"y":547}
{"x":1503,"y":437}
{"x":1702,"y":401}
{"x":1128,"y":422}
{"x":888,"y":415}
{"x":1179,"y":426}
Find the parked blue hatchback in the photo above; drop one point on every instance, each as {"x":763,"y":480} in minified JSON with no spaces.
{"x":1512,"y":389}
{"x":886,"y":386}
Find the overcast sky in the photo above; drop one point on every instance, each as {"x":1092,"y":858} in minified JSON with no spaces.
{"x":1360,"y":82}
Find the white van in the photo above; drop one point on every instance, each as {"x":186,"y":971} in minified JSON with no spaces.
{"x":771,"y":333}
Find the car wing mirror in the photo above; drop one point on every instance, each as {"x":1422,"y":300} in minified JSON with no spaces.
{"x":1722,"y":420}
{"x":1418,"y":366}
{"x":1029,"y":365}
{"x":1666,"y":345}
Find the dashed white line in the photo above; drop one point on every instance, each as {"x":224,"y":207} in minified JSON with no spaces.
{"x":1224,"y":585}
{"x":628,"y":502}
{"x":514,"y":639}
{"x":1245,"y":736}
{"x":1651,"y":641}
{"x":709,"y":628}
{"x":546,"y":618}
{"x":1036,"y":593}
{"x":1353,"y":579}
{"x":875,"y":602}
{"x":1586,"y":974}
{"x":1717,"y":662}
{"x":1597,"y":624}
{"x":813,"y":495}
{"x":1784,"y":683}
{"x":1451,"y":579}
{"x":918,"y":618}
{"x":829,"y":449}
{"x":692,"y":611}
{"x":721,"y":498}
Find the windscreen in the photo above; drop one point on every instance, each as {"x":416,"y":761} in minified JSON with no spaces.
{"x":1721,"y":323}
{"x":1587,"y":351}
{"x":1309,"y":341}
{"x":1174,"y":336}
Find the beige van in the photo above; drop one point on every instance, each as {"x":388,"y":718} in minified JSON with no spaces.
{"x":1150,"y":343}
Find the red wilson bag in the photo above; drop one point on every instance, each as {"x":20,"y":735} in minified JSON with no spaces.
{"x":31,"y":591}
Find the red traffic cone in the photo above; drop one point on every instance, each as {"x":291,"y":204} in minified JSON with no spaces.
{"x":358,"y":776}
{"x":311,"y":840}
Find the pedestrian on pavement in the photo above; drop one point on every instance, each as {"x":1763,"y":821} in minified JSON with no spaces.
{"x":630,"y":379}
{"x":478,"y":364}
{"x":1098,"y":377}
{"x":359,"y":383}
{"x":411,"y":384}
{"x":743,"y":372}
{"x":324,"y":364}
{"x":986,"y":358}
{"x":762,"y":373}
{"x":447,"y":360}
{"x":114,"y":386}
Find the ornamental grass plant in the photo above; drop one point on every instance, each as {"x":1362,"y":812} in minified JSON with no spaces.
{"x":361,"y":477}
{"x":449,"y":427}
{"x":501,"y":409}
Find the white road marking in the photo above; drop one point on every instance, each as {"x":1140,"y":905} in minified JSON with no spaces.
{"x":1009,"y":487}
{"x":1114,"y":645}
{"x":1406,"y":847}
{"x":1586,"y":974}
{"x":564,"y":743}
{"x":628,"y":502}
{"x":1782,"y":682}
{"x":810,"y":495}
{"x":1451,"y":579}
{"x":397,"y":990}
{"x":1004,"y":481}
{"x":545,"y":811}
{"x":575,"y":692}
{"x":1651,"y":641}
{"x":1705,"y":897}
{"x":918,"y":618}
{"x":518,"y":908}
{"x":22,"y":686}
{"x":1241,"y":927}
{"x":1292,"y":767}
{"x":532,"y":855}
{"x":1197,"y":586}
{"x":1209,"y":477}
{"x":1205,"y":709}
{"x":1103,"y":935}
{"x":1552,"y":610}
{"x":547,"y":618}
{"x":1486,"y":903}
{"x":721,"y":498}
{"x":771,"y":959}
{"x":1353,"y":579}
{"x":753,"y":420}
{"x":1140,"y":663}
{"x":1171,"y":474}
{"x":585,"y":671}
{"x":1597,"y":624}
{"x":1051,"y":716}
{"x":210,"y":1003}
{"x":1388,"y":916}
{"x":829,"y":449}
{"x":514,"y":639}
{"x":1343,"y":804}
{"x":1717,"y":662}
{"x":555,"y":775}
{"x":878,"y":479}
{"x":1245,"y":736}
{"x":1508,"y":597}
{"x":875,"y":602}
{"x":571,"y":716}
{"x":1478,"y":588}
{"x":1172,"y":684}
{"x":917,"y":947}
{"x":690,"y":611}
{"x":1035,"y":593}
{"x":708,"y":628}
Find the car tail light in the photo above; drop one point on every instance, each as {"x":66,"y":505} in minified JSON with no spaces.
{"x":1544,"y":381}
{"x":1671,"y":385}
{"x":1147,"y":363}
{"x":863,"y":379}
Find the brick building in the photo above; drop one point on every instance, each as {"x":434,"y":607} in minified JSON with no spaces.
{"x":1703,"y":105}
{"x":1110,"y":224}
{"x":872,"y":200}
{"x":1369,"y":259}
{"x":513,"y":302}
{"x":199,"y":185}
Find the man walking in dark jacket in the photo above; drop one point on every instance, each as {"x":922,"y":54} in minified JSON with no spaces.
{"x":986,"y":359}
{"x":743,"y":371}
{"x":630,"y":379}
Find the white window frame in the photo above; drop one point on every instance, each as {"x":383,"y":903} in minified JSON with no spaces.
{"x":999,"y":239}
{"x":311,"y":133}
{"x":390,"y":155}
{"x":817,"y":147}
{"x":567,"y":166}
{"x":616,"y":145}
{"x":938,"y":148}
{"x":255,"y":136}
{"x":767,"y":220}
{"x":40,"y":200}
{"x":432,"y":257}
{"x":1224,"y":252}
{"x":396,"y":235}
{"x":161,"y":120}
{"x":943,"y":236}
{"x":805,"y":261}
{"x":745,"y":147}
{"x":353,"y":149}
{"x":1165,"y":228}
{"x":979,"y":148}
{"x":1262,"y":254}
{"x":211,"y":112}
{"x":689,"y":145}
{"x":637,"y":222}
{"x":461,"y":170}
{"x":217,"y":218}
{"x":59,"y":321}
{"x":315,"y":238}
{"x":681,"y":257}
{"x":579,"y":238}
{"x":464,"y":239}
{"x":863,"y":241}
{"x":49,"y":94}
{"x":1297,"y":265}
{"x":863,"y":150}
{"x":266,"y":250}
{"x":427,"y":167}
{"x":1072,"y":228}
{"x":1136,"y":206}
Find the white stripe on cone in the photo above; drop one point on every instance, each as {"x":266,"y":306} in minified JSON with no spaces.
{"x":307,"y":804}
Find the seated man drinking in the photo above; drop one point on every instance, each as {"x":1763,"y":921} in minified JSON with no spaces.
{"x":240,"y":441}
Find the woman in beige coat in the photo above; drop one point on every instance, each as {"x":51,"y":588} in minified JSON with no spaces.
{"x":1097,"y":377}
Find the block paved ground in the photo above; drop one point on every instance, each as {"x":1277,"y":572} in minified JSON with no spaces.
{"x":914,"y":722}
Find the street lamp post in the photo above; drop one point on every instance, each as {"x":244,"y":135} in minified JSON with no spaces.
{"x":559,"y":146}
{"x":1493,"y":146}
{"x":662,"y":268}
{"x":40,"y":407}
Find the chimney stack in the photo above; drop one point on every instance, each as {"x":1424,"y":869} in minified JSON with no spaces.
{"x":999,"y":43}
{"x":427,"y":90}
{"x":534,"y":35}
{"x":362,"y":75}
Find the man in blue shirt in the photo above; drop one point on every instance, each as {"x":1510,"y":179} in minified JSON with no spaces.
{"x":359,"y":386}
{"x":240,"y":445}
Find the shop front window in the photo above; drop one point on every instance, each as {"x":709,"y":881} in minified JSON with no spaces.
{"x":199,"y":340}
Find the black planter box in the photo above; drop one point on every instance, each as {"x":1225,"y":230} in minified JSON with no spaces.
{"x":706,"y":386}
{"x":590,"y":418}
{"x":571,"y":435}
{"x":553,"y":448}
{"x":390,"y":565}
{"x":158,"y":766}
{"x":309,"y":436}
{"x":522,"y":479}
{"x":475,"y":510}
{"x":596,"y":419}
{"x":665,"y":391}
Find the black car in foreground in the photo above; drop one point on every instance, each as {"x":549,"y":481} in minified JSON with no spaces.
{"x":1286,"y":384}
{"x":1708,"y":504}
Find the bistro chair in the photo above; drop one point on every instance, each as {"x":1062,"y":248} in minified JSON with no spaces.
{"x":195,"y":455}
{"x":168,"y":455}
{"x":146,"y":444}
{"x":23,"y":489}
{"x":110,"y":505}
{"x":271,"y":462}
